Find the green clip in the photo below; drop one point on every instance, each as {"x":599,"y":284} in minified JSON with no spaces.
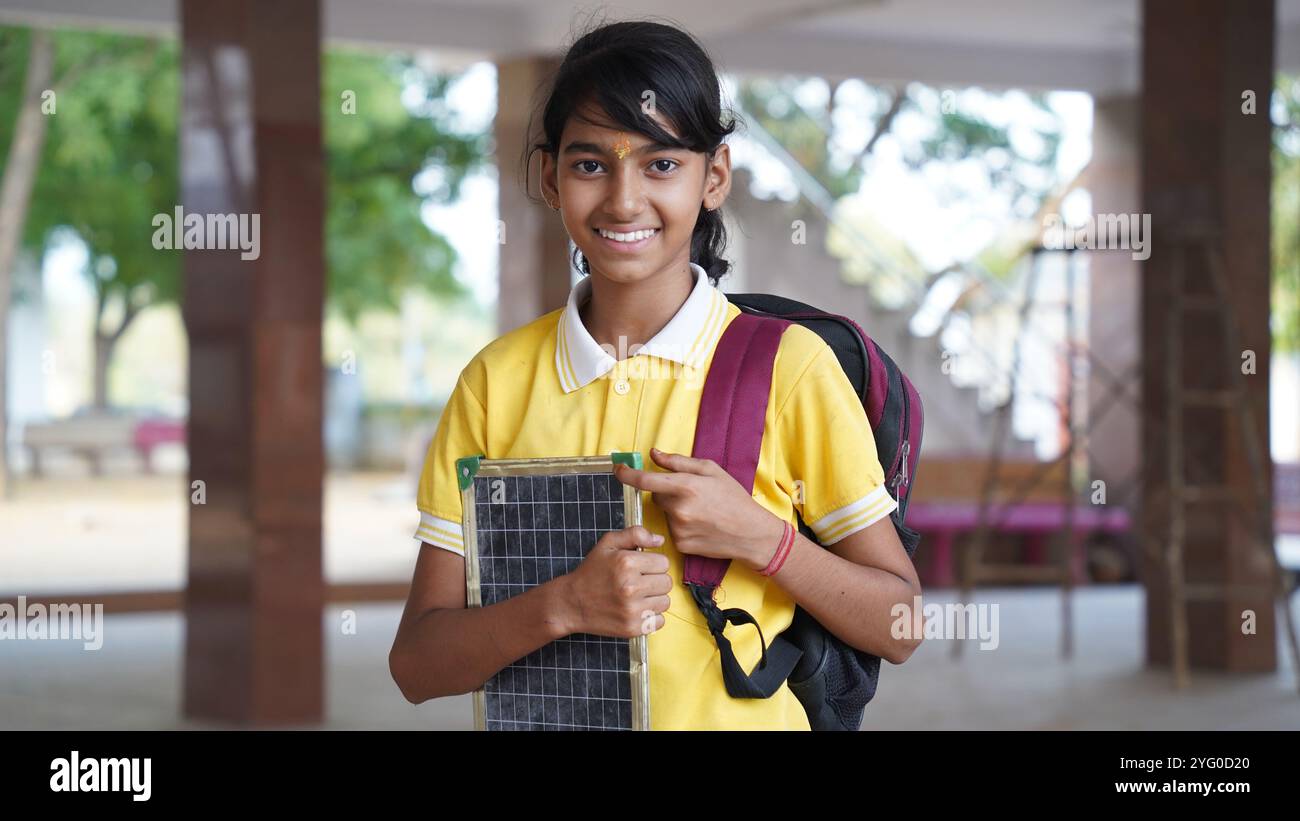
{"x":631,"y":458}
{"x":466,"y":470}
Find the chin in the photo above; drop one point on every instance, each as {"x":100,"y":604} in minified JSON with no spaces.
{"x":624,"y":270}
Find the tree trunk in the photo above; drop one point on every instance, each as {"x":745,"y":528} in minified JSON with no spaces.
{"x":104,"y":344}
{"x":15,"y":193}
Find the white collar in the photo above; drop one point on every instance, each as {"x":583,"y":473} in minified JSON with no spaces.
{"x":687,"y":339}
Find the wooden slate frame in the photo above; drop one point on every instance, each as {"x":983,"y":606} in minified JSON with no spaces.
{"x":469,"y":469}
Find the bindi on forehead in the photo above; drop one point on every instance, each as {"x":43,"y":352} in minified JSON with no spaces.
{"x":619,"y":144}
{"x":598,"y":135}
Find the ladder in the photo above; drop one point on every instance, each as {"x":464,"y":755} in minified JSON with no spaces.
{"x":972,"y":569}
{"x":1237,"y":404}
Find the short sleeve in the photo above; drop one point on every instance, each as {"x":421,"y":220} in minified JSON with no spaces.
{"x":460,"y":433}
{"x":827,"y":453}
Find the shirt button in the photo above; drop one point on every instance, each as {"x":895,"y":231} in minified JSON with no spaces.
{"x":621,"y":387}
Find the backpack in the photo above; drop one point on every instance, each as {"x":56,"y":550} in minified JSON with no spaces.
{"x":832,"y":680}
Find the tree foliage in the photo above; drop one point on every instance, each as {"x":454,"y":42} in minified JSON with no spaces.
{"x":111,"y":162}
{"x":956,"y":133}
{"x":385,"y":162}
{"x":1286,"y":213}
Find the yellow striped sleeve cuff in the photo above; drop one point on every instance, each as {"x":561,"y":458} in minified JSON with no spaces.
{"x":854,"y":516}
{"x":442,"y":533}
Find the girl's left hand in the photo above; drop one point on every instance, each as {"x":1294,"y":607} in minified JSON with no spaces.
{"x":708,"y":512}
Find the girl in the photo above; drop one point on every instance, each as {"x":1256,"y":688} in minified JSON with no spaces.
{"x":633,"y":160}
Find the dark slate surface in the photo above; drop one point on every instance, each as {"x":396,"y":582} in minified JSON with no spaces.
{"x":532,"y":529}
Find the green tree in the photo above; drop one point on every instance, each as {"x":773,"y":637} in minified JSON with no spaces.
{"x":111,"y":163}
{"x":1286,"y":214}
{"x":807,"y":118}
{"x":385,"y":162}
{"x":34,"y":71}
{"x":809,"y":133}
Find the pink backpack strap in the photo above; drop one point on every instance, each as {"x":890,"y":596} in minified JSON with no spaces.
{"x":729,"y":430}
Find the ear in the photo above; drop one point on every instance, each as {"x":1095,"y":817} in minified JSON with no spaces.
{"x":550,"y":191}
{"x":717,"y":179}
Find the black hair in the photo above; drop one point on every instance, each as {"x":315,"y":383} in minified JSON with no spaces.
{"x":613,"y":66}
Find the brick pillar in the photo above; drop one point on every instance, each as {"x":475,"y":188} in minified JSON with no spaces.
{"x":1205,"y":161}
{"x":534,"y":256}
{"x":251,"y":144}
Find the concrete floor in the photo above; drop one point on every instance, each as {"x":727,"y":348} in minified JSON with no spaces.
{"x":133,"y":682}
{"x":128,"y":532}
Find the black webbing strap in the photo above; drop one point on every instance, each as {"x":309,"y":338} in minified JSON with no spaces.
{"x":773,"y":668}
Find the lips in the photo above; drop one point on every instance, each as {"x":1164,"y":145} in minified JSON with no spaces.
{"x":627,"y":240}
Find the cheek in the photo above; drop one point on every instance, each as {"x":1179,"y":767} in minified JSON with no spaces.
{"x":681,"y":210}
{"x":580,"y":200}
{"x":577,"y":212}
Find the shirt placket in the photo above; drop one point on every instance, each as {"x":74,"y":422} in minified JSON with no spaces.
{"x":622,"y":386}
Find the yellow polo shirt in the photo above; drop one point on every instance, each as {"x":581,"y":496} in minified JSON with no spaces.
{"x":547,"y":389}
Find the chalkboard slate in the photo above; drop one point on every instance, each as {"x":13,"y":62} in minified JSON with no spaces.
{"x":527,"y":521}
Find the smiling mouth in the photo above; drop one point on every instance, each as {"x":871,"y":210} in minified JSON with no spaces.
{"x":631,"y":240}
{"x":629,"y":237}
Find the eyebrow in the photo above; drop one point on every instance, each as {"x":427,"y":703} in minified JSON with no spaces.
{"x":592,"y":148}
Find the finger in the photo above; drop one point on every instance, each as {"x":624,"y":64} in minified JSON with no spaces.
{"x":651,"y":564}
{"x":647,"y":480}
{"x":680,"y":463}
{"x":660,"y":584}
{"x":657,"y":603}
{"x":663,"y":501}
{"x":651,"y":621}
{"x":631,"y":538}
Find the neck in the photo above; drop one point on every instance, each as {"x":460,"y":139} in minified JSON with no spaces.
{"x":634,"y":311}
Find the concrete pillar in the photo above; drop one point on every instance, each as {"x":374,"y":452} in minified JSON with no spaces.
{"x":534,"y":271}
{"x":1114,"y":317}
{"x":251,"y":144}
{"x":1205,"y":161}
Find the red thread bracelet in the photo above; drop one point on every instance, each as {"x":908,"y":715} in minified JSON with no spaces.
{"x":782,"y":550}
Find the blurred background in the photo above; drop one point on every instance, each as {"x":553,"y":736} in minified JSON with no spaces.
{"x":223,"y":451}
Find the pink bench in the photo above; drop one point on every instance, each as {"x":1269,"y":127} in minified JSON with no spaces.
{"x":95,"y":435}
{"x":150,"y":433}
{"x":1286,"y":498}
{"x":940,"y":523}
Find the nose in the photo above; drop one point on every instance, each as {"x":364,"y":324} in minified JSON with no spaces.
{"x":625,"y":200}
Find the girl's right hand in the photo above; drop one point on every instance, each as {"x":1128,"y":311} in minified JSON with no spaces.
{"x":619,"y":590}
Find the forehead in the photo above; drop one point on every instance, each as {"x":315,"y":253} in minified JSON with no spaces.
{"x":590,"y":119}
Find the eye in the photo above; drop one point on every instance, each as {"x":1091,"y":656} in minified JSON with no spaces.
{"x":581,"y":163}
{"x":672,"y":165}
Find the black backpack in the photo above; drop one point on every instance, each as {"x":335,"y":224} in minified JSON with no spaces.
{"x":832,"y":680}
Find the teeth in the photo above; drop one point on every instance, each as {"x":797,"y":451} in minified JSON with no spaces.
{"x":629,"y":237}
